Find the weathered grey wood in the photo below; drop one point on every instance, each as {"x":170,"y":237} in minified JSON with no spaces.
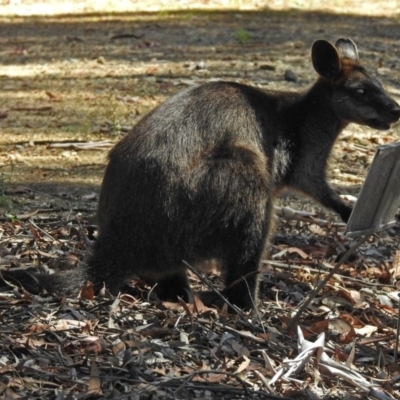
{"x":379,"y":198}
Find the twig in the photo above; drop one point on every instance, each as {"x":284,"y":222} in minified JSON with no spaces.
{"x":74,"y":39}
{"x":254,"y":304}
{"x":41,"y":230}
{"x":126,"y":36}
{"x":287,"y":267}
{"x":366,"y":341}
{"x":322,"y":283}
{"x":151,"y":292}
{"x":216,"y":291}
{"x":173,"y":383}
{"x":244,"y":316}
{"x":101,"y":145}
{"x":232,"y":375}
{"x":304,"y":216}
{"x":396,"y":348}
{"x":240,"y":333}
{"x":43,"y":108}
{"x":82,"y":232}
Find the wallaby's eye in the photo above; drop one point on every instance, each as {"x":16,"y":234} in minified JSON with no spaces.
{"x":360,"y":91}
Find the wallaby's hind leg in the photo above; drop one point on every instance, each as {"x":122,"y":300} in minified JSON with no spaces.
{"x":244,"y":248}
{"x":245,"y":293}
{"x":241,"y":249}
{"x":238,"y":191}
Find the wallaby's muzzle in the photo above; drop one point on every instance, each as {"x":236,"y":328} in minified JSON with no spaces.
{"x":395,"y":111}
{"x":385,"y":119}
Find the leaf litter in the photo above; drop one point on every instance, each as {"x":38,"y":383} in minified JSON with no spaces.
{"x":133,"y":346}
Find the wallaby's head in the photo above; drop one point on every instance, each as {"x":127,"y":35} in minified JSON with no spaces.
{"x":356,"y":96}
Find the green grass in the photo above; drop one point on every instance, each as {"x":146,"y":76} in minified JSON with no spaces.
{"x":243,"y":36}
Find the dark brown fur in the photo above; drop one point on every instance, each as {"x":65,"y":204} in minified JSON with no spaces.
{"x":196,"y":177}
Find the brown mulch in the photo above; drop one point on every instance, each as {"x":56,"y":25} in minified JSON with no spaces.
{"x":54,"y":347}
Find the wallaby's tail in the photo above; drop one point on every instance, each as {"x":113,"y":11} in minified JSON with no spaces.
{"x":66,"y":283}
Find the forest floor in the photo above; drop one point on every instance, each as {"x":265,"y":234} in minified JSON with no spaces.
{"x":74,"y":79}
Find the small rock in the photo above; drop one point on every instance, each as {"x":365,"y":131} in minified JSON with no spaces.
{"x":201,"y":65}
{"x":290,"y":76}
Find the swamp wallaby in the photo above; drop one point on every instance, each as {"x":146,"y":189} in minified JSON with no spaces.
{"x":195,"y":179}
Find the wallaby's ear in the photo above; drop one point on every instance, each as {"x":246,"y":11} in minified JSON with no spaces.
{"x":347,"y":49}
{"x":326,"y":59}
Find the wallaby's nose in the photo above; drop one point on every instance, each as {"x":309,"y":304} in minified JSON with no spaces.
{"x":395,"y":111}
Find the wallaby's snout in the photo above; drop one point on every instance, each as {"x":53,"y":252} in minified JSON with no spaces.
{"x":382,"y":113}
{"x":383,"y":118}
{"x":395,"y":112}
